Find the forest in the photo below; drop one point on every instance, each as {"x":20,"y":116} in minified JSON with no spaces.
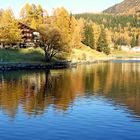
{"x":120,"y":29}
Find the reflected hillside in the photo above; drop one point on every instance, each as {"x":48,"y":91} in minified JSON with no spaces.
{"x":118,"y":82}
{"x":35,"y":92}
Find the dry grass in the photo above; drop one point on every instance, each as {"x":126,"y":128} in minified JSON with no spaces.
{"x":124,"y":54}
{"x":85,"y":53}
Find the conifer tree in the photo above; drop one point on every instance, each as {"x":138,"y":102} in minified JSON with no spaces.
{"x":102,"y":43}
{"x":89,"y":36}
{"x":134,"y":41}
{"x":137,"y":40}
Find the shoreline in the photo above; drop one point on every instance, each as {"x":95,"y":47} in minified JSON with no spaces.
{"x":11,"y":66}
{"x":33,"y":66}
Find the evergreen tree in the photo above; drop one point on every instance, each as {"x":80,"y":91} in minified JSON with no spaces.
{"x":102,"y":43}
{"x":89,"y":36}
{"x":134,"y":41}
{"x":137,"y":40}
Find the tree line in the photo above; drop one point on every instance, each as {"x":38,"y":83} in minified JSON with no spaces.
{"x":120,"y":29}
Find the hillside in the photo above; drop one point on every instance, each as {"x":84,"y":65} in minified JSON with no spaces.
{"x":120,"y":29}
{"x":111,"y":21}
{"x":125,"y":7}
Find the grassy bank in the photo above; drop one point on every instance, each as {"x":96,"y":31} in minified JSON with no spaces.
{"x":83,"y":54}
{"x":87,"y":54}
{"x":37,"y":55}
{"x":22,"y":55}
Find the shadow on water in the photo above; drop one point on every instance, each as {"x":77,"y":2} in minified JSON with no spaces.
{"x":117,"y":83}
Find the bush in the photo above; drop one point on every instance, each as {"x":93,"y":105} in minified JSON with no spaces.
{"x":106,"y":50}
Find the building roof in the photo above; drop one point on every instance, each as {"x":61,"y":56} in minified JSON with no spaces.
{"x":22,"y":25}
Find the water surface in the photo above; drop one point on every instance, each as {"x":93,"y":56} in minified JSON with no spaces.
{"x":99,"y":101}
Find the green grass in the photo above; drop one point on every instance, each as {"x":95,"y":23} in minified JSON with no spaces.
{"x":22,"y":55}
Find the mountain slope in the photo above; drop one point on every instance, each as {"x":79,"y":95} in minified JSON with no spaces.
{"x":125,"y":7}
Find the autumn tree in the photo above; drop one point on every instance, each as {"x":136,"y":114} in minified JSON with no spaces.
{"x":78,"y":33}
{"x":51,"y":41}
{"x":9,"y":31}
{"x":65,"y":23}
{"x":26,"y":13}
{"x":32,"y":15}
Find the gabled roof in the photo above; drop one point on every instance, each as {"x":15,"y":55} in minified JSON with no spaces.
{"x":26,"y":26}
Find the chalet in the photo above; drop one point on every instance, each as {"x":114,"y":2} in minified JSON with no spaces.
{"x":30,"y":37}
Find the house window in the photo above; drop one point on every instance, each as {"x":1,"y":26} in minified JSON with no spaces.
{"x":28,"y":34}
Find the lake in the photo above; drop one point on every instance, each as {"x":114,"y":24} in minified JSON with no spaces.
{"x":98,"y":101}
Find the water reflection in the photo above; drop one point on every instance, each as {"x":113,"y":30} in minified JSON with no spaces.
{"x":36,"y":91}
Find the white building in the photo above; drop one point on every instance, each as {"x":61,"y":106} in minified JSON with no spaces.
{"x":135,"y":49}
{"x":125,"y":48}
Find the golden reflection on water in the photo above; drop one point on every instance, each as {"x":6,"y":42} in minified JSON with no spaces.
{"x":36,"y":91}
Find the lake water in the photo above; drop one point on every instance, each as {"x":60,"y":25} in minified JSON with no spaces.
{"x":99,"y":101}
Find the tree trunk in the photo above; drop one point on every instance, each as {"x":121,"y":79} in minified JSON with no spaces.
{"x":47,"y":57}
